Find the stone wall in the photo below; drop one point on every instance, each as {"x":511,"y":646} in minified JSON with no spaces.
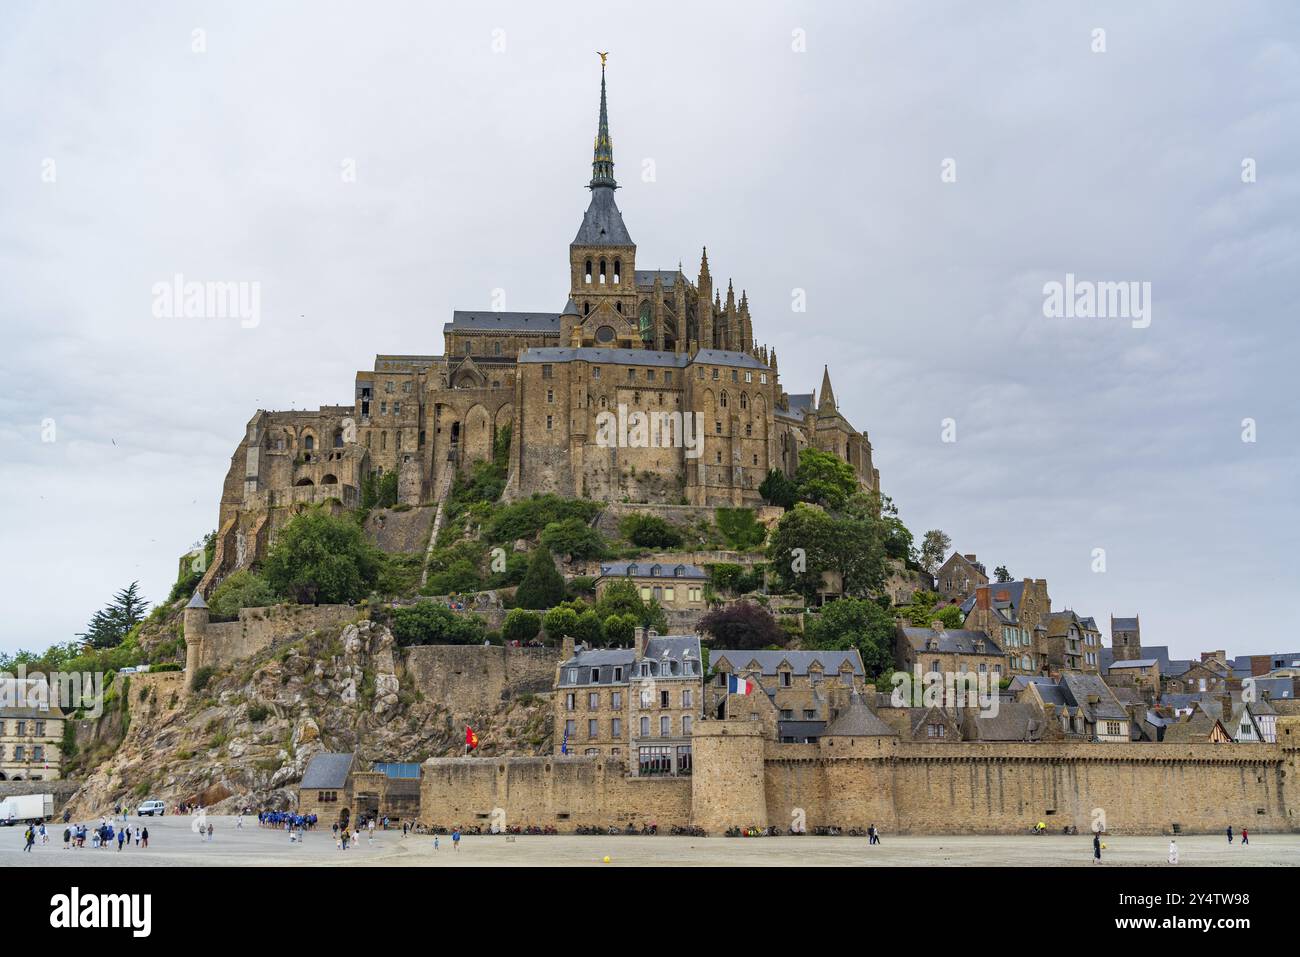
{"x":467,"y":678}
{"x":565,"y":792}
{"x":400,"y":531}
{"x":218,"y":644}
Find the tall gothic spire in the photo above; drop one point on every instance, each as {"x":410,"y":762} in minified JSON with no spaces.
{"x":826,"y":398}
{"x":602,"y":161}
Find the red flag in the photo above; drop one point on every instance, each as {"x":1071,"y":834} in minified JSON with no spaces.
{"x":471,"y":739}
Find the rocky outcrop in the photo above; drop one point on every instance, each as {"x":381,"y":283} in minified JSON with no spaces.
{"x":244,"y":739}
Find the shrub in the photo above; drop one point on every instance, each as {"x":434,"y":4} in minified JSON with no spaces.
{"x":525,"y":518}
{"x":241,"y":589}
{"x":258,"y":713}
{"x":560,"y":621}
{"x":429,"y":623}
{"x":649,"y":531}
{"x":573,"y":537}
{"x":202,"y":677}
{"x":740,"y":529}
{"x":521,"y":626}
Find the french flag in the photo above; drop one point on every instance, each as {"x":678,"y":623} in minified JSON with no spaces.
{"x":737,"y":685}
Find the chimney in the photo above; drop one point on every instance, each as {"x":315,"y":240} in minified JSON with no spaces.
{"x":639,"y":641}
{"x":936,"y":626}
{"x":970,"y":558}
{"x":566,"y":647}
{"x":982,"y":598}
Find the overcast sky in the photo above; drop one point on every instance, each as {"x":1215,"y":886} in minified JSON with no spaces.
{"x":805,"y":146}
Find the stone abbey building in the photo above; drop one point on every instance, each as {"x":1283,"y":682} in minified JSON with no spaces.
{"x":678,"y":351}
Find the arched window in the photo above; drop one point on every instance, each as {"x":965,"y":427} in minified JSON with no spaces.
{"x":724,"y":400}
{"x":602,"y":272}
{"x":329,"y":480}
{"x":309,"y":442}
{"x":338,"y":438}
{"x":586,"y":272}
{"x":744,"y":400}
{"x":618,"y":270}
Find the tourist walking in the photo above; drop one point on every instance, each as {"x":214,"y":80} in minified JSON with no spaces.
{"x":1173,"y":851}
{"x":1229,"y":833}
{"x":1096,"y":847}
{"x":31,"y":837}
{"x":67,"y":838}
{"x":144,"y":837}
{"x":435,"y":843}
{"x":1245,"y":837}
{"x":455,"y":839}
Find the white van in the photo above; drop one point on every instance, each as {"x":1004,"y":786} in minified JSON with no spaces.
{"x":150,"y":808}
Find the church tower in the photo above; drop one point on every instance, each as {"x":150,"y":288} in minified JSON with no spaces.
{"x":602,"y":257}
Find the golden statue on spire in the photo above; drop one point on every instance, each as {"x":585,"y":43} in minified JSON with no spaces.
{"x":602,"y":57}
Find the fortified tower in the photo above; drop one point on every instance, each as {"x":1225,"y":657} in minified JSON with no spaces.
{"x":194,"y":620}
{"x":728,"y":783}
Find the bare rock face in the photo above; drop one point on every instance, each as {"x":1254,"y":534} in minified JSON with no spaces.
{"x":244,"y":740}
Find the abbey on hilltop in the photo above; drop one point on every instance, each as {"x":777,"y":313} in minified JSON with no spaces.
{"x":643,"y":340}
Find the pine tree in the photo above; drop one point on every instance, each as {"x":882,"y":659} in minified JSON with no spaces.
{"x":543,"y":585}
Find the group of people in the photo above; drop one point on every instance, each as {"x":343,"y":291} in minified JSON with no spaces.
{"x":282,"y":820}
{"x":102,"y":835}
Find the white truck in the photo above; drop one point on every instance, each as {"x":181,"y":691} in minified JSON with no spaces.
{"x":21,"y":808}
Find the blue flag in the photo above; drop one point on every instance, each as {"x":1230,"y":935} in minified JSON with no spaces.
{"x":564,"y":745}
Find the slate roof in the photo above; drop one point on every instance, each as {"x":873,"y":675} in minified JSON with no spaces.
{"x":1015,"y":721}
{"x":1079,"y":686}
{"x":328,"y":770}
{"x":800,"y":729}
{"x":641,"y":357}
{"x":489,"y":321}
{"x":858,"y":721}
{"x":196,"y":601}
{"x":1274,"y":688}
{"x":1123,"y":624}
{"x":799,"y":661}
{"x":646,"y":569}
{"x":602,"y":223}
{"x":674,"y":649}
{"x":1136,"y":663}
{"x":1195,"y":728}
{"x":956,"y":641}
{"x":645,"y":278}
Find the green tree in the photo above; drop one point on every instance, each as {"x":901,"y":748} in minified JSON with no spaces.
{"x":543,"y":585}
{"x":319,"y":557}
{"x":855,"y":623}
{"x":621,"y":598}
{"x":241,"y":589}
{"x":109,"y":627}
{"x":1001,"y":575}
{"x":739,"y":528}
{"x":920,"y":611}
{"x":588,"y":629}
{"x":431,"y":623}
{"x":649,"y":531}
{"x":824,"y":478}
{"x":934,"y":549}
{"x":810,"y":542}
{"x":559,"y":622}
{"x":573,"y":537}
{"x":779,"y":489}
{"x":619,"y":629}
{"x":521,"y":626}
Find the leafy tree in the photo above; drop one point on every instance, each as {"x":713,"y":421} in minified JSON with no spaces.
{"x":824,"y":478}
{"x":573,"y":537}
{"x":621,"y":598}
{"x":619,"y":629}
{"x":521,"y":626}
{"x":319,"y":557}
{"x":898,"y":539}
{"x":920,"y":611}
{"x":649,"y":531}
{"x":809,"y":542}
{"x":241,"y":589}
{"x":529,"y":516}
{"x":779,"y":489}
{"x":387,"y":490}
{"x":559,"y":622}
{"x":588,"y":629}
{"x":951,"y":616}
{"x":461,"y":575}
{"x":543,"y":585}
{"x":1001,"y":575}
{"x":934,"y":549}
{"x":735,"y":579}
{"x":743,"y":625}
{"x":855,"y":623}
{"x":430,"y":623}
